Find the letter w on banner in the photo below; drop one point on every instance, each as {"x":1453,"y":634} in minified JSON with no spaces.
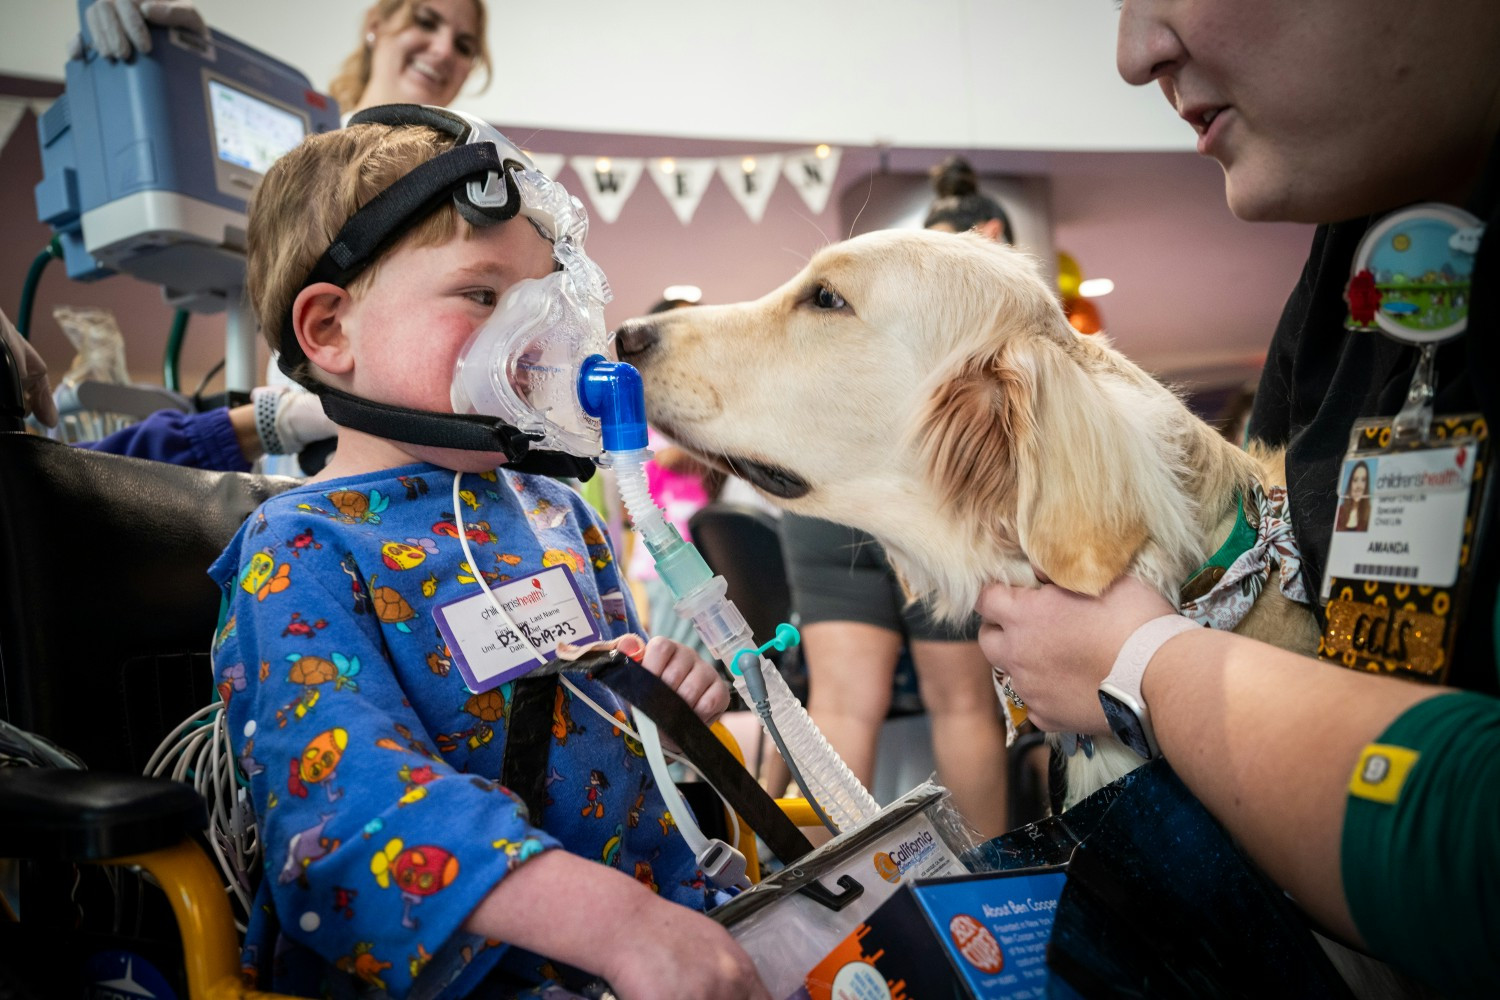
{"x":811,"y":172}
{"x":682,"y":182}
{"x":609,"y":180}
{"x":751,"y":179}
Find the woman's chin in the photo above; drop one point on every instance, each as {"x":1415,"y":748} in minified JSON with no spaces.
{"x":420,"y":90}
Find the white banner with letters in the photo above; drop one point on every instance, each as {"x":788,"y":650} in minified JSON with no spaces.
{"x":682,"y":182}
{"x":751,"y":179}
{"x":811,"y":172}
{"x":608,"y":181}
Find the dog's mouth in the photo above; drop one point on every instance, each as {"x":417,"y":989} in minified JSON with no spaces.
{"x":773,"y":479}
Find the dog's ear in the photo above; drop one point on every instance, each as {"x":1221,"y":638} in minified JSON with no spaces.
{"x":968,"y":439}
{"x":1040,"y":446}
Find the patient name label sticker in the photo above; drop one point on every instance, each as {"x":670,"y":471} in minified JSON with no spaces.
{"x":545,"y":608}
{"x":1401,"y":516}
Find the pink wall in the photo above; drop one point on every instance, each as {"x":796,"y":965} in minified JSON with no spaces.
{"x":1192,"y":282}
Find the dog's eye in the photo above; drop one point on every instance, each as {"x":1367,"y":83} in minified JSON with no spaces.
{"x":827,"y":298}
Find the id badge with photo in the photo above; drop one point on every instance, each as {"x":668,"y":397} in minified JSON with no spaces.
{"x":1400,"y":560}
{"x":1412,"y":485}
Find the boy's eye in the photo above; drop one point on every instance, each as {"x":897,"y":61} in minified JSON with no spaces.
{"x":483,"y":296}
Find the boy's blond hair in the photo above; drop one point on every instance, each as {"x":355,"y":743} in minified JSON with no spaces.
{"x":307,"y":196}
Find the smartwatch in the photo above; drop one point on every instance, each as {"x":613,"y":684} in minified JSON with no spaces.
{"x":1120,"y":692}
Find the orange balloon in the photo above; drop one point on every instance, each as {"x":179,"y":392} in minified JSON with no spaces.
{"x":1083,"y":315}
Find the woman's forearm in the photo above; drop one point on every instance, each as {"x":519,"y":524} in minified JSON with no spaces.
{"x":1268,"y":741}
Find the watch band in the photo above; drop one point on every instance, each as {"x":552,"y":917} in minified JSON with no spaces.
{"x":1130,"y":663}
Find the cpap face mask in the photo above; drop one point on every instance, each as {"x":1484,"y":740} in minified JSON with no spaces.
{"x":516,"y":384}
{"x":523,"y":365}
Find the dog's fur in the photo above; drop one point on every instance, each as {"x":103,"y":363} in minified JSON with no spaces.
{"x":927,"y":388}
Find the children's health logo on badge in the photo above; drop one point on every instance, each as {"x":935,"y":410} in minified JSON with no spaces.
{"x":491,"y":646}
{"x":976,"y":944}
{"x":1411,"y":275}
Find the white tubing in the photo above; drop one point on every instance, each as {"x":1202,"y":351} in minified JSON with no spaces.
{"x":846,"y":801}
{"x":722,"y":628}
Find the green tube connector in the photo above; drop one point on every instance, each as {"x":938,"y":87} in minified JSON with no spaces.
{"x":680,"y":566}
{"x":786,"y":637}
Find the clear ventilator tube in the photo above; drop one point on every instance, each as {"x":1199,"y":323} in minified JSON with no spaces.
{"x":700,"y":597}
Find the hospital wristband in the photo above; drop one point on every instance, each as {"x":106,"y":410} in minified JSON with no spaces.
{"x":267,"y":400}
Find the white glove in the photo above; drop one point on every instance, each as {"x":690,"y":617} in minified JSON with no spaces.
{"x":289,"y":419}
{"x":119,"y":27}
{"x":36,"y":394}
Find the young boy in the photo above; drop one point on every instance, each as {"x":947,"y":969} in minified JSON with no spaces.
{"x":394,"y":858}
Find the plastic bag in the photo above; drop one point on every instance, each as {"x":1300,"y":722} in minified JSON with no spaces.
{"x":96,"y":336}
{"x":789,"y":921}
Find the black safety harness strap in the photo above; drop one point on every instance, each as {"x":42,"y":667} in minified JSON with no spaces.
{"x":673,"y":717}
{"x":528,"y":742}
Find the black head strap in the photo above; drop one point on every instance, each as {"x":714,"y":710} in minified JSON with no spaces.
{"x":385,"y":219}
{"x":500,"y":200}
{"x":372,"y":230}
{"x":464,"y":431}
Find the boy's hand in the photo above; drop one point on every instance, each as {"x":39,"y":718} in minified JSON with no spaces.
{"x":648,"y":948}
{"x":694,"y":680}
{"x":670,"y":952}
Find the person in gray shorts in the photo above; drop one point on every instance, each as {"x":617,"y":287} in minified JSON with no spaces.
{"x":855,"y":622}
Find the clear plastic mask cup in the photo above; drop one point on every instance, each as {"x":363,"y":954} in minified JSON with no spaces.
{"x":522,"y":365}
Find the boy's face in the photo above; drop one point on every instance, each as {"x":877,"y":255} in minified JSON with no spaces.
{"x":1324,"y":111}
{"x":407,"y":329}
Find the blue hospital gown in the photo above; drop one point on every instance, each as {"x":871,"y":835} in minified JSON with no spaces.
{"x":373,"y":769}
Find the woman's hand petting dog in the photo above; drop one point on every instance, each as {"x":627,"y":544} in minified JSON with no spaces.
{"x":1057,"y":646}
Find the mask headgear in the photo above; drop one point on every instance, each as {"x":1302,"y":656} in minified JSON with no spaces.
{"x":489,"y":181}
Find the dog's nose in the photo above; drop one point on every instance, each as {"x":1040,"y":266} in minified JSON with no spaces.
{"x":635,"y":338}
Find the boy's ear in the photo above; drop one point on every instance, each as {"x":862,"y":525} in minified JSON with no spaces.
{"x":318,"y":314}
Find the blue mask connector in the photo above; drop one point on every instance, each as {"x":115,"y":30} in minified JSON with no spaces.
{"x":613,"y":392}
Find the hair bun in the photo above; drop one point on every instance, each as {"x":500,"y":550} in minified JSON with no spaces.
{"x":954,"y":178}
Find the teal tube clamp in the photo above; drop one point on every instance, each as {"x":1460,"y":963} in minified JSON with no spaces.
{"x":787,"y":636}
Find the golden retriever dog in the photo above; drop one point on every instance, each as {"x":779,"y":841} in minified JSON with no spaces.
{"x":927,"y":388}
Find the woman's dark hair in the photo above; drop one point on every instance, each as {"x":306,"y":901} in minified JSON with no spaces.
{"x":959,"y":202}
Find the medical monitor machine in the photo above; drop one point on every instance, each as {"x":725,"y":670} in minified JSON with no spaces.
{"x":148,"y":164}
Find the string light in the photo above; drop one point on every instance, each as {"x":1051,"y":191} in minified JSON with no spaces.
{"x":682,"y":293}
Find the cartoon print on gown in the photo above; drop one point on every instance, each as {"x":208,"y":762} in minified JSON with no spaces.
{"x":361,"y":743}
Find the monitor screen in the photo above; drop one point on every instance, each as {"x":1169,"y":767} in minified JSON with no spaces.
{"x":250,"y":132}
